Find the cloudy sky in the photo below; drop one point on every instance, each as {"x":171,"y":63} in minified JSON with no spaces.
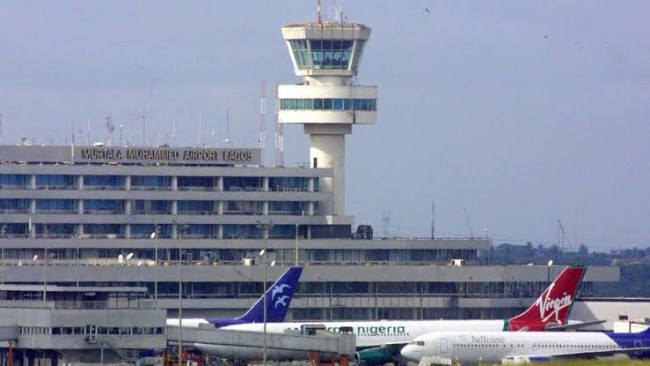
{"x":511,"y":116}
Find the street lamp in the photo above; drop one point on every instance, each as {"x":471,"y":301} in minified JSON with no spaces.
{"x":180,"y":229}
{"x":297,"y":256}
{"x":155,"y":235}
{"x":34,"y":259}
{"x":265,"y":227}
{"x":140,"y":263}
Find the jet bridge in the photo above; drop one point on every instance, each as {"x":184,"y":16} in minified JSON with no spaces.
{"x":313,"y":343}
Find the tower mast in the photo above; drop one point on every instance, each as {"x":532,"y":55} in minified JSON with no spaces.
{"x":262,"y":137}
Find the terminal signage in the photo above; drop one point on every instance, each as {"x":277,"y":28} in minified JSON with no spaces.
{"x":177,"y":155}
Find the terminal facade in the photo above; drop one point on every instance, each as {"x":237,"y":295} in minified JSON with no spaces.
{"x":73,"y":218}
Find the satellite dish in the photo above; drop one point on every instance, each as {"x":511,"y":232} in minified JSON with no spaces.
{"x":120,"y":258}
{"x":272,"y":263}
{"x":140,"y":262}
{"x":35,"y":258}
{"x":262,"y":252}
{"x":153,"y":235}
{"x":550,"y":263}
{"x":129,"y":256}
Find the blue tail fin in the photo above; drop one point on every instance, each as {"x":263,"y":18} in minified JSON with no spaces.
{"x":278,"y":298}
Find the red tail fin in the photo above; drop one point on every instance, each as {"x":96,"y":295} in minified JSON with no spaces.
{"x":553,"y":306}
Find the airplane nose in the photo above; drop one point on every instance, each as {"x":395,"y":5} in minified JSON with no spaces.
{"x":411,"y":353}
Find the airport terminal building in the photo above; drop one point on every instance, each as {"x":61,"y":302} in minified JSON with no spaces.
{"x":156,"y":217}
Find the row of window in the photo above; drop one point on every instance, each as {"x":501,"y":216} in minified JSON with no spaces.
{"x":118,"y":231}
{"x":158,"y":207}
{"x":535,"y":345}
{"x":350,"y":257}
{"x":35,"y":330}
{"x":58,"y":181}
{"x":329,"y":104}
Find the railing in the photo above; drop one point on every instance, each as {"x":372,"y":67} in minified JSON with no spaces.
{"x":196,"y":188}
{"x":56,"y":187}
{"x":145,"y":262}
{"x":151,"y":188}
{"x":122,"y":303}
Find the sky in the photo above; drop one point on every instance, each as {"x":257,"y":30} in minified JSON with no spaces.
{"x":511,"y":118}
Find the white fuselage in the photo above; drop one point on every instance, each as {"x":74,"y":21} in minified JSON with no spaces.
{"x":495,"y":347}
{"x":187,"y":322}
{"x":376,"y":333}
{"x":368,"y":334}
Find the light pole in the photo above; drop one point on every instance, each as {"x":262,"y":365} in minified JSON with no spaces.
{"x":140,"y":263}
{"x":155,"y":235}
{"x":44,"y":265}
{"x":180,"y":229}
{"x":44,"y":274}
{"x":3,"y":230}
{"x":297,"y":256}
{"x":265,"y":227}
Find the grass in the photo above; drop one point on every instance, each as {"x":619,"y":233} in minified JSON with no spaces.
{"x":601,"y":363}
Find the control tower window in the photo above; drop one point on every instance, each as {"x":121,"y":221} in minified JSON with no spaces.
{"x":300,"y":53}
{"x":331,"y":54}
{"x":329,"y":104}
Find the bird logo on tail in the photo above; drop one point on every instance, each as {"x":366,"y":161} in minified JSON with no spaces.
{"x":279,"y":289}
{"x":282,"y":300}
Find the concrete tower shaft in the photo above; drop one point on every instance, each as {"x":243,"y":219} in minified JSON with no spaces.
{"x":327,"y":102}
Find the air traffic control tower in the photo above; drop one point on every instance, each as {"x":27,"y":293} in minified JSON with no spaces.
{"x":327,"y":101}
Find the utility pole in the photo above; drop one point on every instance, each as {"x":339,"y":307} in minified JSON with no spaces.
{"x":265,"y":227}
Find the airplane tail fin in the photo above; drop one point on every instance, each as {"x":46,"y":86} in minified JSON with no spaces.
{"x":553,"y":305}
{"x":278,"y":297}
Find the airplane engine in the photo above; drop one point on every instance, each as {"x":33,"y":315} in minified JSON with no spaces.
{"x":373,"y":356}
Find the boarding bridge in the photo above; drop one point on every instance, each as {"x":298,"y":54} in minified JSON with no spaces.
{"x":313,"y":342}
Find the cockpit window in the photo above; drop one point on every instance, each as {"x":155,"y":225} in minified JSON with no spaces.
{"x":417,"y":343}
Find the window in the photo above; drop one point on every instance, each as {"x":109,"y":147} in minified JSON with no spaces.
{"x":327,"y":104}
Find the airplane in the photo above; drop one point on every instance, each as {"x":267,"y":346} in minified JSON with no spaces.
{"x":278,"y":298}
{"x":474,"y":347}
{"x":379,"y":342}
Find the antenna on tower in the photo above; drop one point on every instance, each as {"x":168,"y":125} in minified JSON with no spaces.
{"x":110,"y":127}
{"x":227,"y":140}
{"x":262,"y":138}
{"x":318,"y":12}
{"x":562,"y":236}
{"x":385,"y":223}
{"x":144,"y":127}
{"x":433,"y":220}
{"x":279,"y":135}
{"x":471,"y":233}
{"x":173,"y":129}
{"x":198,"y":137}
